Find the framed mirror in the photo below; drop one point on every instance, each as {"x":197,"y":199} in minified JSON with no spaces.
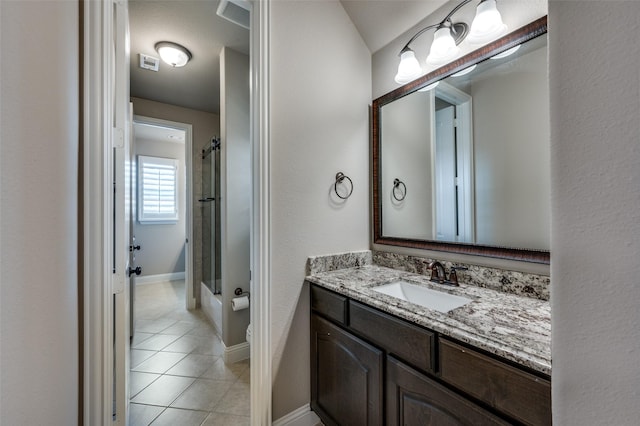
{"x":461,"y":155}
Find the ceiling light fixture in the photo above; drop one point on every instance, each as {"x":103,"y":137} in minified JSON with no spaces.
{"x":173,"y":53}
{"x":486,"y":26}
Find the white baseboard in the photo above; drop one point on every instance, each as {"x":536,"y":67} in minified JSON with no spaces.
{"x":236,"y":353}
{"x":150,"y":279}
{"x":303,"y":416}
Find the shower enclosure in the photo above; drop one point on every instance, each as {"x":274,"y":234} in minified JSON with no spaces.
{"x":210,"y":202}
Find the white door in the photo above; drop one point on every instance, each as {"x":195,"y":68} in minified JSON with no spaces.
{"x":121,"y":215}
{"x":445,"y":175}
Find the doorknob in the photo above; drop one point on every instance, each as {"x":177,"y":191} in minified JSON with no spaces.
{"x":137,"y":270}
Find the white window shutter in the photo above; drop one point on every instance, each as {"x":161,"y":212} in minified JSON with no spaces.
{"x":157,"y":190}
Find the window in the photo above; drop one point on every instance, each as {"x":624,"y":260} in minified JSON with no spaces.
{"x":157,"y":190}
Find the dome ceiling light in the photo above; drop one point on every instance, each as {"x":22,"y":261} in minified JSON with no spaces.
{"x":173,"y":54}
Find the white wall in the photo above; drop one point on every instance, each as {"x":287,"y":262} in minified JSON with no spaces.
{"x":163,"y":245}
{"x":320,"y":90}
{"x":595,"y":244}
{"x":235,"y":188}
{"x":406,"y":154}
{"x":39,"y":220}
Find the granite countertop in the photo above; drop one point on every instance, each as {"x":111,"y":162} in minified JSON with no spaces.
{"x":514,"y":327}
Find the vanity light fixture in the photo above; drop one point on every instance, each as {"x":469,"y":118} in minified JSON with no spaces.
{"x":173,"y":53}
{"x":486,"y":26}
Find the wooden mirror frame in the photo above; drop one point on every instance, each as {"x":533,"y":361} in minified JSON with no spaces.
{"x":522,"y":35}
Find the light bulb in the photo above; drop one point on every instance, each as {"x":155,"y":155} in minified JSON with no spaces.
{"x":487,"y":25}
{"x":443,"y":48}
{"x":409,"y":68}
{"x":173,"y":54}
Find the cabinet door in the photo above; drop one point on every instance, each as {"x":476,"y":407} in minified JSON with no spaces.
{"x":346,"y":376}
{"x":414,"y":399}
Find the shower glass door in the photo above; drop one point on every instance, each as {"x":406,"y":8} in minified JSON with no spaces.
{"x":210,"y":202}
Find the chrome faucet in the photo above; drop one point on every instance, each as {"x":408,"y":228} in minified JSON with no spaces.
{"x":439,"y":274}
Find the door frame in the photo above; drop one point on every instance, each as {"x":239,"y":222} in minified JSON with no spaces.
{"x":190,"y":301}
{"x":463,"y":103}
{"x":97,"y":62}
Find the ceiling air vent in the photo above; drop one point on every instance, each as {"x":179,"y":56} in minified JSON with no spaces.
{"x":149,"y":62}
{"x":236,"y":11}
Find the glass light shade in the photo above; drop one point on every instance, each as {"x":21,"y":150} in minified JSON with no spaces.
{"x":465,"y":71}
{"x":487,"y":25}
{"x":507,"y":52}
{"x":443,"y":48}
{"x":173,"y":54}
{"x":429,"y":87}
{"x":409,"y":68}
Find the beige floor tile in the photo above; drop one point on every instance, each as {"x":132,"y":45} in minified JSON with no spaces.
{"x":236,"y":401}
{"x":204,"y":330}
{"x":228,"y":372}
{"x":210,"y":346}
{"x":177,"y":417}
{"x":153,"y":326}
{"x":139,"y":337}
{"x":203,"y":394}
{"x":143,"y":415}
{"x":139,"y":381}
{"x":157,"y":342}
{"x":180,"y":328}
{"x":221,"y":419}
{"x":187,"y":344}
{"x":160,"y":362}
{"x":163,"y":391}
{"x":193,"y":365}
{"x":138,"y":356}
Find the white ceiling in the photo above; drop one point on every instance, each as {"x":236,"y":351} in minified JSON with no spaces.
{"x":195,"y":25}
{"x":381,"y":21}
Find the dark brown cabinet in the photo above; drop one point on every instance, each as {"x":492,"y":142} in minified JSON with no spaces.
{"x":413,"y":399}
{"x":371,"y":368}
{"x":346,"y":376}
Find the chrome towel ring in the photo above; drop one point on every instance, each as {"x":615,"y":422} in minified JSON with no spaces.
{"x":340,"y":177}
{"x":396,"y":187}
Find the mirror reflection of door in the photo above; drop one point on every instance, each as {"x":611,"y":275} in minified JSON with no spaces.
{"x":452,"y":165}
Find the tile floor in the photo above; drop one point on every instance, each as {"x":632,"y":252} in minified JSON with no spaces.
{"x":178,"y":376}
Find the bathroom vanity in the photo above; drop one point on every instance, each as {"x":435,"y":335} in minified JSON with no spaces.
{"x":376,"y":359}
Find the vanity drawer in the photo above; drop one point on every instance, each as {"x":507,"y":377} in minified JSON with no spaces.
{"x":523,"y":396}
{"x":329,"y":304}
{"x":411,"y":343}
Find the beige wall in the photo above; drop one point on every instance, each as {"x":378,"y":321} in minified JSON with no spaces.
{"x":235,"y":175}
{"x":205,"y":126}
{"x":162,"y":249}
{"x":595,"y":244}
{"x":406,"y":154}
{"x":511,"y":154}
{"x":39,"y":175}
{"x":320,"y":89}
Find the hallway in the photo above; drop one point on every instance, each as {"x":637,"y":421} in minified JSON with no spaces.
{"x":178,"y":376}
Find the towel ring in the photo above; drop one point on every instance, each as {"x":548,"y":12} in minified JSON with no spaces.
{"x":340,"y":177}
{"x":396,"y":184}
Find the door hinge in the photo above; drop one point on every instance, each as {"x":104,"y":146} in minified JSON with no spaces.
{"x":118,"y":138}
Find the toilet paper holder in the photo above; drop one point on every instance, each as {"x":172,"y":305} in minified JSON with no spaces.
{"x":239,"y":292}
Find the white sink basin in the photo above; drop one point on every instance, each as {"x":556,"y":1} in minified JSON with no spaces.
{"x":423,"y":296}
